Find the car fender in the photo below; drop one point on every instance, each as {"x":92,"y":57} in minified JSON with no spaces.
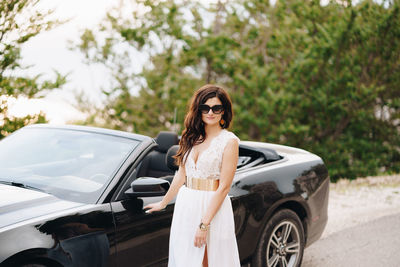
{"x":296,"y":204}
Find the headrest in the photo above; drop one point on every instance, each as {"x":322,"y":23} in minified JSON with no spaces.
{"x":165,"y":140}
{"x":170,"y":161}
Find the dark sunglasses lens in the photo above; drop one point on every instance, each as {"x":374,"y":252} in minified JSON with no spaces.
{"x":204,"y":108}
{"x":217,"y":109}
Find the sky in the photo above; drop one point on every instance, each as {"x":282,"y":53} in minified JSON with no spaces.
{"x":49,"y":51}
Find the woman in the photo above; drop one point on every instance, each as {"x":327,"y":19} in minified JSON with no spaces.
{"x":203,"y":229}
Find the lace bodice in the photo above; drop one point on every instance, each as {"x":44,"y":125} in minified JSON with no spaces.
{"x":209,"y":161}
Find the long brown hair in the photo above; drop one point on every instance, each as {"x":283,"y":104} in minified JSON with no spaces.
{"x":194,"y":132}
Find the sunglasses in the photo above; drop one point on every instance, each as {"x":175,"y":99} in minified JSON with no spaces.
{"x":216,"y":109}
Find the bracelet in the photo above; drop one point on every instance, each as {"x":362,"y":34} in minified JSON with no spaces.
{"x":204,"y":227}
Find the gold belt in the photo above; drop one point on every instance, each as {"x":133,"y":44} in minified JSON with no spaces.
{"x":202,"y":184}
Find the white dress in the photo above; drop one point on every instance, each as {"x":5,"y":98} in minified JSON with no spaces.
{"x":191,"y":205}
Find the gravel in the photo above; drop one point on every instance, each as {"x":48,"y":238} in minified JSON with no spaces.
{"x":358,"y":201}
{"x":363,"y":226}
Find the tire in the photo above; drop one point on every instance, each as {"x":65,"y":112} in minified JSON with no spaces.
{"x":282,"y":241}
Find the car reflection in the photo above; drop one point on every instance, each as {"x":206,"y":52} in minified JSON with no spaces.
{"x":76,"y":233}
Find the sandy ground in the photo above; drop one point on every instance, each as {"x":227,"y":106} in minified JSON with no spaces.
{"x":363,"y":226}
{"x":355,"y":202}
{"x":371,"y":244}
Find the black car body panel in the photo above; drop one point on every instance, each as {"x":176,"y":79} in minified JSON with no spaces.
{"x":115,"y":231}
{"x":299,"y":181}
{"x":61,"y":235}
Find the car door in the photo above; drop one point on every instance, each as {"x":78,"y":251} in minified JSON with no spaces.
{"x":142,"y":239}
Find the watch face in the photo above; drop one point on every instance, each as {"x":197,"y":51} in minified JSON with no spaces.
{"x":203,"y":226}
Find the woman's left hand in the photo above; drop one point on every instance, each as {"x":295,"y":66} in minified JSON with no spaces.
{"x":200,"y":238}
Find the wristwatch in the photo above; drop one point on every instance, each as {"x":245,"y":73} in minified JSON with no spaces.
{"x":204,"y":227}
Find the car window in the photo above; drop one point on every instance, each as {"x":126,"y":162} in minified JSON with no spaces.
{"x":70,"y":164}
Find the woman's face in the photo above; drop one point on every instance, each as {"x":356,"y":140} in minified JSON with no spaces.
{"x":210,"y":118}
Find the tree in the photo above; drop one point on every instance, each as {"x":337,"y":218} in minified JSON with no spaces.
{"x":323,"y":78}
{"x":20,"y":21}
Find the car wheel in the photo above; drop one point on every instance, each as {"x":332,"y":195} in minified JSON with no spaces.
{"x":282,"y":242}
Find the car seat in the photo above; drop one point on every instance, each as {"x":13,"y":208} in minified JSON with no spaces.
{"x":155,"y":163}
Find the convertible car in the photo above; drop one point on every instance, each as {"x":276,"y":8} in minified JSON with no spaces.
{"x":74,"y":196}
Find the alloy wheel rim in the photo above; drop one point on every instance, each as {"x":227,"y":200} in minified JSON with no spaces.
{"x":283,"y":248}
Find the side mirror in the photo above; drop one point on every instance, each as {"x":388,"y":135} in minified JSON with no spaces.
{"x":148,"y":187}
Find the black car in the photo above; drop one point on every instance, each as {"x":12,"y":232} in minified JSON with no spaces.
{"x":74,"y":196}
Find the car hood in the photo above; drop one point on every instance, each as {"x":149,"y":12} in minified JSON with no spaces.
{"x":20,"y":204}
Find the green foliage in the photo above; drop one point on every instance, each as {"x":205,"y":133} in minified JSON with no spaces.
{"x":20,"y":21}
{"x":323,"y":78}
{"x":11,"y":124}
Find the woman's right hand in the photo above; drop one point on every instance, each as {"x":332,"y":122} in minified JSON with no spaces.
{"x":154,"y":207}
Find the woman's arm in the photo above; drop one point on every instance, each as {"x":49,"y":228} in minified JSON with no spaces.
{"x":177,"y":182}
{"x":228,"y":169}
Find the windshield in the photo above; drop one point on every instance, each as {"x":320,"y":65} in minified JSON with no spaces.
{"x":70,"y":164}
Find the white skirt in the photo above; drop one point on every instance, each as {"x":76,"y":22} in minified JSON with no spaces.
{"x":222,"y":250}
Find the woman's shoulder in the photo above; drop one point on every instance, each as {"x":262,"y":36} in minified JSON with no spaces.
{"x":230,"y":135}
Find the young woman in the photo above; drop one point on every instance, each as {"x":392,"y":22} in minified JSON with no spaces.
{"x":203,"y":229}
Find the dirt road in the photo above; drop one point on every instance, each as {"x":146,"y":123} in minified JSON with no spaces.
{"x":371,"y":244}
{"x":363,"y":227}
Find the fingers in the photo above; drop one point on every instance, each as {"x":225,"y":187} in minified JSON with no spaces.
{"x":199,"y":242}
{"x":153,"y":207}
{"x":150,"y":207}
{"x":200,"y":238}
